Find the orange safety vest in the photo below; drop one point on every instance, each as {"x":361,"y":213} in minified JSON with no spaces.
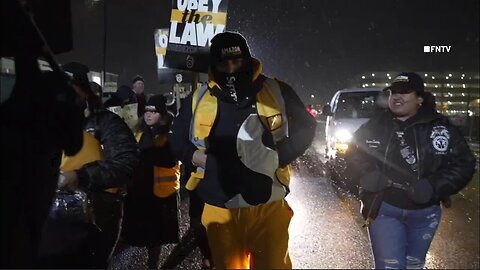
{"x":166,"y":181}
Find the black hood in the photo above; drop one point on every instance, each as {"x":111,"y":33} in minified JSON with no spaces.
{"x":427,"y":112}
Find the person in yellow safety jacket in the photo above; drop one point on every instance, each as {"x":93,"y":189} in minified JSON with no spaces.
{"x":240,"y":132}
{"x":151,"y":204}
{"x":102,"y":168}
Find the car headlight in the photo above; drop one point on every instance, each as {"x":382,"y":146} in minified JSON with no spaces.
{"x":341,"y":147}
{"x":343,"y":135}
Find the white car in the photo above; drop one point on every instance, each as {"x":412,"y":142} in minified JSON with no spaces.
{"x":346,"y":112}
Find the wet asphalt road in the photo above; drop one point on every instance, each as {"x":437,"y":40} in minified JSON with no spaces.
{"x":323,"y":233}
{"x":184,"y":255}
{"x":456,"y":244}
{"x":326,"y":231}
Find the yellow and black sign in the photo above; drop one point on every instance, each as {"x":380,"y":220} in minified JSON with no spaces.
{"x":193,"y":24}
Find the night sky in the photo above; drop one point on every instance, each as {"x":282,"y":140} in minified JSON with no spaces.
{"x":316,"y":46}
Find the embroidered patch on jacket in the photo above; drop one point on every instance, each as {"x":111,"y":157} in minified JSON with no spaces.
{"x":373,"y":143}
{"x":440,"y":139}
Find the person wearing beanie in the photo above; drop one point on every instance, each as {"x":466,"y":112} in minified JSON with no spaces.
{"x":409,"y":159}
{"x":151,"y":204}
{"x":136,"y":79}
{"x":98,"y":173}
{"x":239,"y":133}
{"x":138,"y":86}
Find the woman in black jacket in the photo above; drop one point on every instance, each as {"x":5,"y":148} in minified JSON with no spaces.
{"x":409,"y":159}
{"x":151,"y":205}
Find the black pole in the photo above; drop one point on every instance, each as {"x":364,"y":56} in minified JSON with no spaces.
{"x":104,"y":42}
{"x":46,"y":51}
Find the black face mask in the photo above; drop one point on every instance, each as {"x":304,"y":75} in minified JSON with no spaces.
{"x":238,"y":84}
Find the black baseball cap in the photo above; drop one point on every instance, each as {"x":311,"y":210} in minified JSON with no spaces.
{"x":407,"y":82}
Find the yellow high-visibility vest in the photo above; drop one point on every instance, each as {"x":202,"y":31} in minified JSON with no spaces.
{"x":270,"y":111}
{"x":91,"y":151}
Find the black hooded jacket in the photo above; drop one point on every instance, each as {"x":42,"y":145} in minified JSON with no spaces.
{"x":120,"y":150}
{"x":442,"y":154}
{"x":224,"y":168}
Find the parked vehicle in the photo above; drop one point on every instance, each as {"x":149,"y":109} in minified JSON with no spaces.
{"x":346,"y":112}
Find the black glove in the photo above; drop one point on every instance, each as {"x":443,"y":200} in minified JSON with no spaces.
{"x":421,"y":191}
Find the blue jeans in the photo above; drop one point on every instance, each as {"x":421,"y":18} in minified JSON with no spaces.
{"x":400,"y":238}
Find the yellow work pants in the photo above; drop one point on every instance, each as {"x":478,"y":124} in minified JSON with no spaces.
{"x":249,"y":238}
